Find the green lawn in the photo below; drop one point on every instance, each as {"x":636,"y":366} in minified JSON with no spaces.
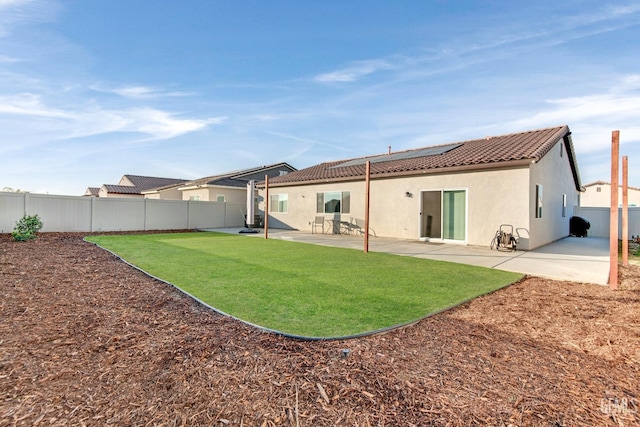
{"x":300,"y":288}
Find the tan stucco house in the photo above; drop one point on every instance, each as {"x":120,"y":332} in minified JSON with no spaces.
{"x":132,"y":186}
{"x":598,"y":194}
{"x":459,"y":192}
{"x":228,"y":187}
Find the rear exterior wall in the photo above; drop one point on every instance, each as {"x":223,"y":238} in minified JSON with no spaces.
{"x":494,"y":197}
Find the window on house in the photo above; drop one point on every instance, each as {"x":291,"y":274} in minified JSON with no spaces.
{"x":561,"y":149}
{"x":598,"y":189}
{"x":278,"y":203}
{"x":220,"y":198}
{"x":194,"y":198}
{"x":564,"y":205}
{"x":538,"y":201}
{"x":333,"y":202}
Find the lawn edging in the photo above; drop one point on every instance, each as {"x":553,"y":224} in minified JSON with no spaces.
{"x":294,"y":336}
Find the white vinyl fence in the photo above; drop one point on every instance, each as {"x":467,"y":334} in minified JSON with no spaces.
{"x":94,"y":214}
{"x":599,"y":219}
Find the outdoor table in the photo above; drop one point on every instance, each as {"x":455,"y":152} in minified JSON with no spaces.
{"x":335,"y":225}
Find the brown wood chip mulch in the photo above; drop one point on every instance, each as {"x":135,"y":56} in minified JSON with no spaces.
{"x":87,"y":340}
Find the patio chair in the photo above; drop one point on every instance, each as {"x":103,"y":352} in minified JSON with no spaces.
{"x":348,"y":227}
{"x":317,"y":222}
{"x":358,"y":227}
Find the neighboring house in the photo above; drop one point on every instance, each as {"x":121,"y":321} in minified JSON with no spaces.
{"x":460,"y":192}
{"x":229,"y":187}
{"x":598,"y":194}
{"x":132,"y":186}
{"x":92,"y":191}
{"x":166,"y":192}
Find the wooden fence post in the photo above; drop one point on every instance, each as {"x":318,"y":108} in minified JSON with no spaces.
{"x":613,"y":212}
{"x":266,"y":206}
{"x":367,"y":181}
{"x":625,"y":210}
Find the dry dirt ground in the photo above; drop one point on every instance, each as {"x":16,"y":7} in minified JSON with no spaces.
{"x":87,"y":340}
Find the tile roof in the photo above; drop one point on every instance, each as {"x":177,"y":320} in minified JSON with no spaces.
{"x":496,"y":151}
{"x":143,"y":183}
{"x":121,"y":189}
{"x":92,"y":191}
{"x":236,"y":178}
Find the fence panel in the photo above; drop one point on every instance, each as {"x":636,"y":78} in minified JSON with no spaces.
{"x":599,"y":220}
{"x":166,"y":215}
{"x":60,"y":213}
{"x":118,"y":214}
{"x":11,"y":210}
{"x":234,"y":214}
{"x":85,"y":214}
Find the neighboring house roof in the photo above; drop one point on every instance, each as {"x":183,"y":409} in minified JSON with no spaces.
{"x":609,"y":184}
{"x":121,"y":189}
{"x":138,"y":184}
{"x":238,"y":178}
{"x":92,"y":191}
{"x":491,"y":152}
{"x":143,"y":183}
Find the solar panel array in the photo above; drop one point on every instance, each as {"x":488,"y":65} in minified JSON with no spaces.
{"x":403,"y":155}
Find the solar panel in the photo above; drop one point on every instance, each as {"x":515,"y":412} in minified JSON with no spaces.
{"x":403,"y":155}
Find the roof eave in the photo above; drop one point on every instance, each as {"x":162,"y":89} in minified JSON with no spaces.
{"x":573,"y":161}
{"x":422,"y":172}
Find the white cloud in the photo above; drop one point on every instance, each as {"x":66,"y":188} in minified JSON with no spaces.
{"x":29,"y":104}
{"x":65,"y":124}
{"x":163,"y":125}
{"x":16,"y":12}
{"x":139,"y":92}
{"x":11,"y":3}
{"x":593,"y":117}
{"x":354,"y":72}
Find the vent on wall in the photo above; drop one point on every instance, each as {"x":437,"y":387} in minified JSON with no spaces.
{"x":403,"y":155}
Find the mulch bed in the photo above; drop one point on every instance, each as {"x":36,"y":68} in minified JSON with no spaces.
{"x":87,"y":340}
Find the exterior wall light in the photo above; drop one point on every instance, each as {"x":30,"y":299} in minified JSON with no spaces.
{"x":408,"y":194}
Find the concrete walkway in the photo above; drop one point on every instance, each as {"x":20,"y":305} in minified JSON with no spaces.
{"x":572,"y":258}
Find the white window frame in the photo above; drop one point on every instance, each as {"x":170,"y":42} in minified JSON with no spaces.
{"x":539,"y":201}
{"x":279,"y":203}
{"x":466,"y":215}
{"x":344,"y":195}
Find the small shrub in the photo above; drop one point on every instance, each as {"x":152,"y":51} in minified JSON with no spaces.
{"x":27,"y":228}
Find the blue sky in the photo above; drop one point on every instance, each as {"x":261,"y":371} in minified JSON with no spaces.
{"x":91,"y":90}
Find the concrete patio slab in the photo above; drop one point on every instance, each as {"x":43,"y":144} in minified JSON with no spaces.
{"x":572,"y":258}
{"x":575,"y":259}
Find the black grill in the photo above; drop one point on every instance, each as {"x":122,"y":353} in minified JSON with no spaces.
{"x":578,"y":226}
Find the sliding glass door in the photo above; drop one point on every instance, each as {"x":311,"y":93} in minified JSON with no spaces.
{"x":454,"y":214}
{"x":444,"y":215}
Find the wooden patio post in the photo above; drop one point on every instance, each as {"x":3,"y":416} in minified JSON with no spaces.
{"x":266,"y":206}
{"x":613,"y":212}
{"x":625,"y":210}
{"x":367,"y":180}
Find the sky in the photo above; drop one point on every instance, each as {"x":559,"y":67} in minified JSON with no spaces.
{"x":91,"y":90}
